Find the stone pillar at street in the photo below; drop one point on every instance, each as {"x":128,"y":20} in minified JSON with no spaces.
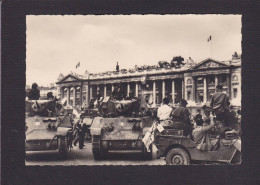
{"x":74,"y":96}
{"x":154,"y":93}
{"x":105,"y":90}
{"x":204,"y":90}
{"x":128,"y":89}
{"x":163,"y":89}
{"x":173,"y":92}
{"x":136,"y":89}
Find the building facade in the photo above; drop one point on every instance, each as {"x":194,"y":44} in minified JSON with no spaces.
{"x":194,"y":82}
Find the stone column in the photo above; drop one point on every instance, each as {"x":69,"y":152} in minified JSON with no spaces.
{"x":90,"y":92}
{"x":61,"y":93}
{"x":204,"y":90}
{"x":216,"y":81}
{"x":228,"y":85}
{"x":98,"y":88}
{"x":163,"y":89}
{"x":128,"y":89}
{"x":183,"y":89}
{"x":173,"y":92}
{"x":68,"y":95}
{"x":193,"y":89}
{"x":74,"y":96}
{"x":136,"y":89}
{"x":105,"y":90}
{"x":87,"y":96}
{"x":154,"y":93}
{"x":112,"y":88}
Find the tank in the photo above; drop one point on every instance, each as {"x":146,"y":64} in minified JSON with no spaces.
{"x":120,"y":126}
{"x":48,"y":126}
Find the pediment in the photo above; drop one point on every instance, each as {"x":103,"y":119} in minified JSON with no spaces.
{"x":69,"y":78}
{"x":209,"y":63}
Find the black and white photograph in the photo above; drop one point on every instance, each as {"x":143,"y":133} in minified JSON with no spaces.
{"x":133,"y":89}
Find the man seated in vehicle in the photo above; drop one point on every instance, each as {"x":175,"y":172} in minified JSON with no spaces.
{"x":198,"y":118}
{"x":164,"y":113}
{"x":201,"y":134}
{"x":181,"y":118}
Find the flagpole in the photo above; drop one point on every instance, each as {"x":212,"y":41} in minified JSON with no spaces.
{"x":211,"y":45}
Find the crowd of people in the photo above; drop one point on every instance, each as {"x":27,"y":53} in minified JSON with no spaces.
{"x":216,"y":116}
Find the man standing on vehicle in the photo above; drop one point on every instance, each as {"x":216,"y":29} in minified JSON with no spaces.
{"x":181,"y":118}
{"x":34,"y":93}
{"x":164,"y":113}
{"x":219,"y":103}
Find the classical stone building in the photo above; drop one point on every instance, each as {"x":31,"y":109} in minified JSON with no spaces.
{"x":194,"y":82}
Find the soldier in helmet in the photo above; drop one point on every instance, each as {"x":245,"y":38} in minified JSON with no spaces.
{"x":34,"y":93}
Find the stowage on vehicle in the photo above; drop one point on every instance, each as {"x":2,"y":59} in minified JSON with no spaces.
{"x":181,"y":150}
{"x":47,"y":126}
{"x":121,"y":126}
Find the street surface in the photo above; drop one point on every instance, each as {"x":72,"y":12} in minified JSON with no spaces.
{"x":85,"y":157}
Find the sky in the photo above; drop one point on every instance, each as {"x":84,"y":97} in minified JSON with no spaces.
{"x":55,"y":44}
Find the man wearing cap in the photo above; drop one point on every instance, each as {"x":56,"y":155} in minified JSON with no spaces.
{"x":181,"y":118}
{"x":220,"y":103}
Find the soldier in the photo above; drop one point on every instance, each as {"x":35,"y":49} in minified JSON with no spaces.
{"x":181,"y":118}
{"x":34,"y":93}
{"x":219,"y":103}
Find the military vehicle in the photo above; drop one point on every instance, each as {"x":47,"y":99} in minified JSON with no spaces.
{"x":181,"y":150}
{"x":47,"y":126}
{"x":121,"y":127}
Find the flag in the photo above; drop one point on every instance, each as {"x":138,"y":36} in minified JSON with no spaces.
{"x":209,"y":39}
{"x":78,"y":65}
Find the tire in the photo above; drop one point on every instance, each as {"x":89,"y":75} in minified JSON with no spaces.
{"x":177,"y":156}
{"x":62,"y":145}
{"x":148,"y":155}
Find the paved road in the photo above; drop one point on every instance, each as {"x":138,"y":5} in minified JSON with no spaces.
{"x":85,"y":157}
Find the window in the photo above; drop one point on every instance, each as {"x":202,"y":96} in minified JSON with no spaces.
{"x":189,"y":95}
{"x":211,"y":80}
{"x":224,"y":80}
{"x":189,"y":81}
{"x":235,"y":78}
{"x":235,"y":92}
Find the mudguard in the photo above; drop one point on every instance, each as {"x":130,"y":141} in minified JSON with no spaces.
{"x":88,"y":121}
{"x":62,"y":131}
{"x":237,"y":144}
{"x":95,"y":131}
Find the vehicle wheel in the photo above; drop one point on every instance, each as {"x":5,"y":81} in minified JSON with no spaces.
{"x":177,"y":156}
{"x":62,"y":145}
{"x":148,"y":155}
{"x":98,"y":152}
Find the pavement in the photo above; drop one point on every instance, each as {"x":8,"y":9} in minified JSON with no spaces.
{"x":85,"y":157}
